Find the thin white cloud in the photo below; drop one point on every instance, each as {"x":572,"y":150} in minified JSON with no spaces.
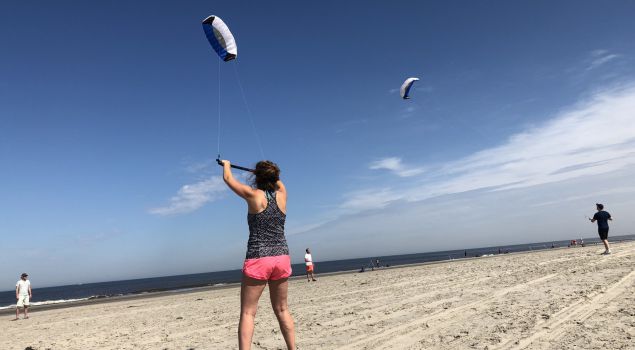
{"x":590,"y":197}
{"x":409,"y":110}
{"x":90,"y":239}
{"x":599,"y":52}
{"x":600,"y":57}
{"x":294,"y":229}
{"x":591,"y":138}
{"x":349,"y":124}
{"x":395,"y":165}
{"x":199,"y":167}
{"x":369,"y":200}
{"x":192,"y":197}
{"x":476,"y":219}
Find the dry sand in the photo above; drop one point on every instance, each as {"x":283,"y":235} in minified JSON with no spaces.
{"x":557,"y":299}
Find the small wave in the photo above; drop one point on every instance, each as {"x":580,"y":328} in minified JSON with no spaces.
{"x":47,"y":302}
{"x":92,"y":297}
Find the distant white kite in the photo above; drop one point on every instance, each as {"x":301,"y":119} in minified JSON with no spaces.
{"x":406,"y":86}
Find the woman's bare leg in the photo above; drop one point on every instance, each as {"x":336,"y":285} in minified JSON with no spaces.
{"x":250,"y":291}
{"x":278,"y":293}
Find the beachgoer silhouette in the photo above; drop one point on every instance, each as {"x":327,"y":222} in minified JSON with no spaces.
{"x":602,"y":217}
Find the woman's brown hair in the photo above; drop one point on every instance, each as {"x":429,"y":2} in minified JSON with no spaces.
{"x":266,"y":176}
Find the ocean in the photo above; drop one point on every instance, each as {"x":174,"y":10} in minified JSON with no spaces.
{"x":70,"y":293}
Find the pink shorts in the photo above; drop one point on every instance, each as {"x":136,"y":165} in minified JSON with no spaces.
{"x":268,"y":267}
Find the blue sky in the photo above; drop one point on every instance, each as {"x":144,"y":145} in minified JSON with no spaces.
{"x":522,"y":120}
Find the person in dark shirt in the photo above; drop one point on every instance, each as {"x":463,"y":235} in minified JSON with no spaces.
{"x":602,"y":217}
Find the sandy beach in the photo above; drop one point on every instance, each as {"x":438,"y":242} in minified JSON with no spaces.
{"x":570,"y":298}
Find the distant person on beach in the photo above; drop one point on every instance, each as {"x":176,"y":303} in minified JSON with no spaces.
{"x":23,"y":294}
{"x":308,"y":261}
{"x":602,"y":217}
{"x":267,"y":260}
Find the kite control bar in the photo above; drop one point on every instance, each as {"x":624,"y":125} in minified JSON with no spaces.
{"x":220,"y":162}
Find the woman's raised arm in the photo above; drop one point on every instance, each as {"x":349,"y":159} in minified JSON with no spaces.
{"x":238,"y":187}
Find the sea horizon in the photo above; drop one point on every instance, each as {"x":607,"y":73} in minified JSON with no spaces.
{"x":99,"y":290}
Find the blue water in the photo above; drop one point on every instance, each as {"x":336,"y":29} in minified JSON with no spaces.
{"x":146,"y":285}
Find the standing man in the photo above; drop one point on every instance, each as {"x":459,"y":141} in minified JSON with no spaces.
{"x":603,"y":217}
{"x":308,"y":261}
{"x":23,"y":295}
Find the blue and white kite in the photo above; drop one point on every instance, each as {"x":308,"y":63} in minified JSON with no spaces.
{"x":220,"y":37}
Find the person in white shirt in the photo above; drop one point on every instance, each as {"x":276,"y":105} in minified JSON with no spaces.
{"x":23,"y":294}
{"x":308,"y":261}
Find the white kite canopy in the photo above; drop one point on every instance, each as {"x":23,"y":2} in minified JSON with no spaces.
{"x":405,"y":87}
{"x":220,"y":37}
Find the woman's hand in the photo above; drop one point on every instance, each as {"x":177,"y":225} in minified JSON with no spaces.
{"x":227,"y":170}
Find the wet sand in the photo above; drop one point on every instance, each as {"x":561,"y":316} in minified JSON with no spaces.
{"x":570,"y":298}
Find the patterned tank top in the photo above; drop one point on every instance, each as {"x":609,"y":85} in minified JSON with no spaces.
{"x":266,"y":231}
